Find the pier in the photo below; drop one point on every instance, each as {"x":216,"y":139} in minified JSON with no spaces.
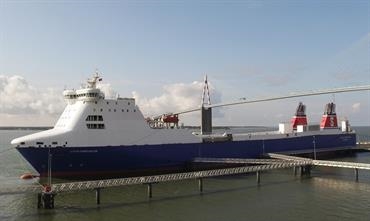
{"x":46,"y":194}
{"x":148,"y":180}
{"x":325,"y":163}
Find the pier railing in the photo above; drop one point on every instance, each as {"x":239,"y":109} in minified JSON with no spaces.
{"x":85,"y":185}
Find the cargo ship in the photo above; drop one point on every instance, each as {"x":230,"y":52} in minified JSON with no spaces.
{"x":97,"y":136}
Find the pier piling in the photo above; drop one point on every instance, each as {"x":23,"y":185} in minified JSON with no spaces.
{"x":97,"y":195}
{"x":46,"y":200}
{"x":150,"y":190}
{"x":39,"y":203}
{"x":258,"y":174}
{"x":308,"y":170}
{"x":356,"y":174}
{"x":305,"y":170}
{"x":200,"y":185}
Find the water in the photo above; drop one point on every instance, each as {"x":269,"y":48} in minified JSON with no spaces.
{"x":329,"y":194}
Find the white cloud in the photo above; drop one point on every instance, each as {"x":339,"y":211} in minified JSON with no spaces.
{"x":107,"y":90}
{"x":17,"y":97}
{"x":177,"y":97}
{"x":356,"y":107}
{"x":22,"y":104}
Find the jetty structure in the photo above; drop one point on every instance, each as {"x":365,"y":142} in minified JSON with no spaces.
{"x":46,"y":193}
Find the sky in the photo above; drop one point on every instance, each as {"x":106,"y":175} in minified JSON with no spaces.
{"x":159,"y":52}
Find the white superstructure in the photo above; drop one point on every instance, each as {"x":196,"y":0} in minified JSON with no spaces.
{"x":91,"y":120}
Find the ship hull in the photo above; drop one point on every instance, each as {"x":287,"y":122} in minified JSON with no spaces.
{"x":123,"y":161}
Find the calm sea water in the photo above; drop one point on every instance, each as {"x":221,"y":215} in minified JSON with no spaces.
{"x":329,"y":194}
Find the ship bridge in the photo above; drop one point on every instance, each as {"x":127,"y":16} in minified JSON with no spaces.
{"x":89,"y":93}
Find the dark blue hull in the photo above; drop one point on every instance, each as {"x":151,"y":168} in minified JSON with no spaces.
{"x":128,"y":160}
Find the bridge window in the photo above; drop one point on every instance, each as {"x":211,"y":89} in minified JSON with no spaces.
{"x":94,"y":118}
{"x":95,"y":126}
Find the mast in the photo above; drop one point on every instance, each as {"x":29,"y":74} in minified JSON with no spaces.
{"x":206,"y":112}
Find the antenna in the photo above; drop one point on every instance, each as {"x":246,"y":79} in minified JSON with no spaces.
{"x":97,"y":72}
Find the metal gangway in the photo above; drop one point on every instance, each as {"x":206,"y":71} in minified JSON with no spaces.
{"x":86,"y":185}
{"x":267,"y":164}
